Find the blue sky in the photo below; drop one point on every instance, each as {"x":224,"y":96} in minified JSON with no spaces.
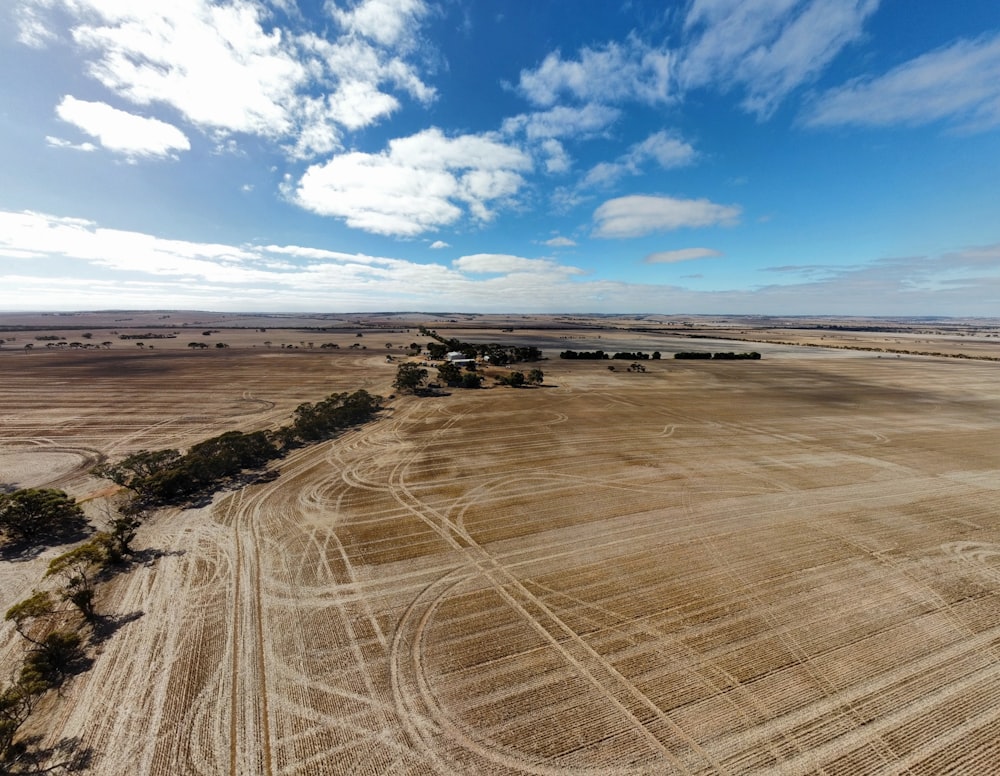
{"x":801,"y":157}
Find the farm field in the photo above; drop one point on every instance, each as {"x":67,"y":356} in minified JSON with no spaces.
{"x":785,"y":566}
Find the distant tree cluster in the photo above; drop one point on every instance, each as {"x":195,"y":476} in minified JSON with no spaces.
{"x":499,"y":355}
{"x":584,"y":355}
{"x":705,"y":355}
{"x":600,"y":355}
{"x":519,"y":379}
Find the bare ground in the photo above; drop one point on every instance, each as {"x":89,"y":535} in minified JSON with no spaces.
{"x":786,"y":566}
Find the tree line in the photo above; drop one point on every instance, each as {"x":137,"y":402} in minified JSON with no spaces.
{"x":160,"y":477}
{"x":727,"y":356}
{"x":56,"y":622}
{"x":600,"y":355}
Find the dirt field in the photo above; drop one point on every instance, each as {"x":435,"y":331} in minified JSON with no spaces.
{"x":785,"y":566}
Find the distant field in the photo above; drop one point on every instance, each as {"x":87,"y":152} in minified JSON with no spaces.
{"x":788,"y":566}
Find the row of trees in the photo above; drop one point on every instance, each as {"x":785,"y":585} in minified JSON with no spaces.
{"x":167,"y":476}
{"x":54,"y":622}
{"x":600,"y":355}
{"x":727,"y":356}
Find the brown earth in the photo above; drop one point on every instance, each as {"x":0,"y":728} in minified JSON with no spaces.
{"x":788,"y":566}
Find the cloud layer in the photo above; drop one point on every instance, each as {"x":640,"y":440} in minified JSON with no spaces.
{"x":637,"y":215}
{"x":156,"y":272}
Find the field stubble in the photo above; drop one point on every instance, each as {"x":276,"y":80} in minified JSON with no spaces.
{"x":785,"y":566}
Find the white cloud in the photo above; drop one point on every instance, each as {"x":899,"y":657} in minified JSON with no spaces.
{"x":59,"y":142}
{"x":388,"y":22}
{"x":684,"y":254}
{"x":418,"y":184}
{"x":663,"y":147}
{"x":438,"y":245}
{"x":960,"y":82}
{"x":637,"y":215}
{"x":562,"y":121}
{"x":770,"y":47}
{"x":226,"y":69}
{"x":666,"y":149}
{"x":614,"y":73}
{"x":556,"y":158}
{"x":125,"y":133}
{"x":31,"y":28}
{"x":101,"y":268}
{"x":500,"y":264}
{"x":560,"y":242}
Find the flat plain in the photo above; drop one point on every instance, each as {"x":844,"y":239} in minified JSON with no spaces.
{"x":789,"y":565}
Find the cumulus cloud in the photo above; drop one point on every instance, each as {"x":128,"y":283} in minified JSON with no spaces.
{"x":560,"y":242}
{"x":663,"y":147}
{"x":638,"y":215}
{"x":683,"y":254}
{"x":563,"y":121}
{"x":960,"y":82}
{"x":614,"y":73}
{"x":556,"y":159}
{"x":122,"y":132}
{"x":226,"y":69}
{"x":438,"y":245}
{"x":418,"y":184}
{"x":767,"y":47}
{"x":388,"y":22}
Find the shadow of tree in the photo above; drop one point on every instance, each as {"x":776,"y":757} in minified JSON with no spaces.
{"x":104,"y":626}
{"x":67,"y":756}
{"x":70,"y":532}
{"x":150,"y":555}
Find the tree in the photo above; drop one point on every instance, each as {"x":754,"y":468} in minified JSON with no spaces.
{"x":656,"y":355}
{"x":535,"y":377}
{"x":449,"y":373}
{"x":120,"y":528}
{"x":78,"y":568}
{"x":139,"y":471}
{"x":38,"y":511}
{"x":47,"y":665}
{"x":514,"y":379}
{"x":29,"y":611}
{"x":436,"y":350}
{"x":471,"y":380}
{"x":16,"y":704}
{"x":409,"y":377}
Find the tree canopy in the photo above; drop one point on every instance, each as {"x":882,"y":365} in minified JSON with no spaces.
{"x":409,"y":377}
{"x":42,"y":514}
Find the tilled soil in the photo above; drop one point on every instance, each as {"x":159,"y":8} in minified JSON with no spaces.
{"x":781,"y":566}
